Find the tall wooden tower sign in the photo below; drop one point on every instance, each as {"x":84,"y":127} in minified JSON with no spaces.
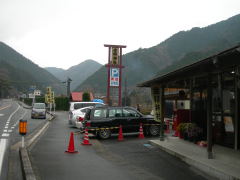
{"x":114,"y":68}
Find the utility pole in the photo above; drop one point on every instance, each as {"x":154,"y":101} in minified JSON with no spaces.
{"x":68,"y":86}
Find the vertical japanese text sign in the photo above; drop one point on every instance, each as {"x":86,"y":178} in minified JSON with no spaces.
{"x":115,"y":54}
{"x":156,"y":101}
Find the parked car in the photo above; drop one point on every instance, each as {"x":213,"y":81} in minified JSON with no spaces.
{"x":78,"y":109}
{"x":78,"y":116}
{"x":38,"y":110}
{"x":105,"y":120}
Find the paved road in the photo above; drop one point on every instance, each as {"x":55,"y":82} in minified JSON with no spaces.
{"x":10,"y":114}
{"x":110,"y":159}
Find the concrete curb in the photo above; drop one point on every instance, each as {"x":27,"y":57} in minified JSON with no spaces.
{"x":27,"y":170}
{"x":26,"y":165}
{"x":210,"y":170}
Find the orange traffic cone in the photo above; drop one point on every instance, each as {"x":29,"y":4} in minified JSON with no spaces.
{"x":71,"y":148}
{"x":141,"y":135}
{"x":120,"y":134}
{"x":86,"y":138}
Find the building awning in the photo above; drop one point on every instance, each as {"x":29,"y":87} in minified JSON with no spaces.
{"x":213,"y":64}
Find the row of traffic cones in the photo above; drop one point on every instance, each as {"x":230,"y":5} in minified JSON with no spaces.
{"x":71,"y":147}
{"x":140,"y":136}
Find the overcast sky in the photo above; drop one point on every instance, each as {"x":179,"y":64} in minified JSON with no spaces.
{"x":63,"y":33}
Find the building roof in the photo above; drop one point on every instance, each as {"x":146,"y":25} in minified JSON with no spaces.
{"x":212,"y":64}
{"x":77,"y":96}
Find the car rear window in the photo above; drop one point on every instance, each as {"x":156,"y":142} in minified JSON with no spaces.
{"x":39,"y":106}
{"x":100,"y":113}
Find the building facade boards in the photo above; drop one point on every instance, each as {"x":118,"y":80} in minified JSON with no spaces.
{"x":212,"y":86}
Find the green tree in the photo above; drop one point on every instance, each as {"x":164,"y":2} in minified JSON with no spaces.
{"x":86,"y":96}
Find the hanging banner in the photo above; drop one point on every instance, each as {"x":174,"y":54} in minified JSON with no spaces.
{"x":115,"y":55}
{"x":114,"y":77}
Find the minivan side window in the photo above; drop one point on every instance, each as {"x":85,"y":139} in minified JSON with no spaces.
{"x":130,"y":113}
{"x":100,"y":113}
{"x":115,"y":113}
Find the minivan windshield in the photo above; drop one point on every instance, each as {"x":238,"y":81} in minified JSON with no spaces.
{"x":39,"y":106}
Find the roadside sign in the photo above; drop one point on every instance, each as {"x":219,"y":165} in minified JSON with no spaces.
{"x":49,"y":90}
{"x":37,"y":92}
{"x":115,"y":54}
{"x":49,"y":96}
{"x":114,"y":77}
{"x":31,"y":96}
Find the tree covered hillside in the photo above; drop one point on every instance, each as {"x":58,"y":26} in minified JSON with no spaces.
{"x":182,"y":48}
{"x":22,"y":72}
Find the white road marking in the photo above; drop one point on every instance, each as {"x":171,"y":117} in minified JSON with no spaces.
{"x":1,"y":114}
{"x":5,"y":135}
{"x":13,"y":127}
{"x":24,"y":114}
{"x":13,"y":113}
{"x":10,"y":130}
{"x":4,"y":130}
{"x":3,"y":145}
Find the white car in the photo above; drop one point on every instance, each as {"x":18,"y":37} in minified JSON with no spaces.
{"x":77,"y":111}
{"x":78,"y":117}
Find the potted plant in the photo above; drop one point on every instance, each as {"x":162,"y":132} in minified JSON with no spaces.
{"x":194,"y":132}
{"x":181,"y":129}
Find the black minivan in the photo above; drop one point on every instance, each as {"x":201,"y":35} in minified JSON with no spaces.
{"x":103,"y":121}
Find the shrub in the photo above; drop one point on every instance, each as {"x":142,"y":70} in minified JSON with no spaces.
{"x":86,"y":96}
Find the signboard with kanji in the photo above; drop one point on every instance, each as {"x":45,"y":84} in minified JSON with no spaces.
{"x":115,"y":54}
{"x":49,"y":96}
{"x":114,"y":77}
{"x":156,"y":102}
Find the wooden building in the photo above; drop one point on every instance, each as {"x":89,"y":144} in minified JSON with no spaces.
{"x":212,"y":86}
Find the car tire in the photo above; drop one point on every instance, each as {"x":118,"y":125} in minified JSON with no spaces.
{"x":154,"y":130}
{"x":104,"y":133}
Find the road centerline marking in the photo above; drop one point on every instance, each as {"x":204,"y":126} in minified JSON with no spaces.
{"x":1,"y":108}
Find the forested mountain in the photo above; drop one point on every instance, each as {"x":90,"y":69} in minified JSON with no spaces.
{"x":20,"y":73}
{"x":184,"y":47}
{"x":57,"y":72}
{"x":77,"y":73}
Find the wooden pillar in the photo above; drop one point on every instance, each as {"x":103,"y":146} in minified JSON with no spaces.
{"x":209,"y":118}
{"x":191,"y":100}
{"x":120,"y":81}
{"x":236,"y":116}
{"x":162,"y":102}
{"x":158,"y":101}
{"x":108,"y":78}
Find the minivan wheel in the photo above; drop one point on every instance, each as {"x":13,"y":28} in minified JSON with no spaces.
{"x":104,"y":133}
{"x":154,"y":130}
